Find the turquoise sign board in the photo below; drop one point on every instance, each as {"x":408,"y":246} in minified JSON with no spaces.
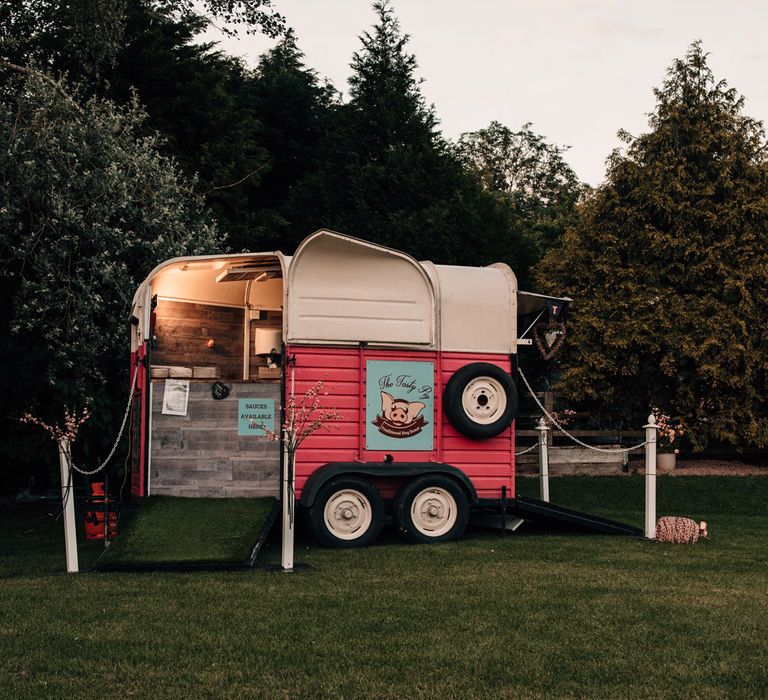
{"x":253,"y":414}
{"x":399,"y":405}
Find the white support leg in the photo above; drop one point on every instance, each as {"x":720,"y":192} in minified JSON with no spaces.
{"x":650,"y":478}
{"x":68,"y":505}
{"x":543,"y":429}
{"x":289,"y":507}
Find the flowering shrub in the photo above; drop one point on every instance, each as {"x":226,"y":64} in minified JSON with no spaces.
{"x":69,"y":429}
{"x":561,"y":418}
{"x":669,"y":435}
{"x":302,"y":417}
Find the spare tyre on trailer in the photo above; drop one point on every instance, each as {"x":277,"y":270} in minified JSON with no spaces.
{"x":480,"y":400}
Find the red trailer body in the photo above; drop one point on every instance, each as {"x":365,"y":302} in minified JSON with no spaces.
{"x":489,"y":465}
{"x":418,"y":359}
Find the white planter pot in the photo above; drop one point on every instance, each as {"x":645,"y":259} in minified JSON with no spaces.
{"x":666,"y":462}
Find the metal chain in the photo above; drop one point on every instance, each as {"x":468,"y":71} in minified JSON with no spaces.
{"x":530,"y":449}
{"x":553,"y":420}
{"x":119,"y":435}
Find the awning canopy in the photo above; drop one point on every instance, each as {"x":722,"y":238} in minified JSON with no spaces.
{"x":530,"y":303}
{"x":531,"y":307}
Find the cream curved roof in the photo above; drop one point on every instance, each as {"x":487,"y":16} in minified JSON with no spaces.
{"x":345,"y":290}
{"x":477,"y":308}
{"x":342,"y":290}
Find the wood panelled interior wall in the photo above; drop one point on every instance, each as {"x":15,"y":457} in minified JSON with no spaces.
{"x":183,"y":329}
{"x":202,"y":453}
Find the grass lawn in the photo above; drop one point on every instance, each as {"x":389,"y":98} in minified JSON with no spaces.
{"x":530,"y":615}
{"x":178,"y":531}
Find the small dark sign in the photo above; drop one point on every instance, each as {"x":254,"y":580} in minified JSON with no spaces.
{"x":556,"y":309}
{"x":549,"y":337}
{"x":220,"y":391}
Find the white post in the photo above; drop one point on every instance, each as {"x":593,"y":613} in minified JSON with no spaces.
{"x":289,"y":484}
{"x":650,"y":478}
{"x":68,"y":507}
{"x":543,"y":428}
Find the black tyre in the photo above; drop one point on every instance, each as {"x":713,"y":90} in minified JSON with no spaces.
{"x":347,"y":512}
{"x":480,"y":400}
{"x":431,"y":509}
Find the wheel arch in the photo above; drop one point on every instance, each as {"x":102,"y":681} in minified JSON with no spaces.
{"x":324,"y":474}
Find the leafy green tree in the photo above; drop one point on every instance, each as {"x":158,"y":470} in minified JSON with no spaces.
{"x":87,"y":207}
{"x":82,"y":37}
{"x":668,"y":266}
{"x":194,"y":96}
{"x":529,"y":174}
{"x":386,"y":174}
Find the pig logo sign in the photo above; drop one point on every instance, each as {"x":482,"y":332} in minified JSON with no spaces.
{"x":399,"y":405}
{"x":400,"y":418}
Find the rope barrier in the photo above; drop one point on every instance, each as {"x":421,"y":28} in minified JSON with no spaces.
{"x":554,"y":422}
{"x":549,"y":416}
{"x":119,"y":435}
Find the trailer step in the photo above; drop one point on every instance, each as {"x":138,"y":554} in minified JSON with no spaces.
{"x":543,"y":512}
{"x":493,"y":522}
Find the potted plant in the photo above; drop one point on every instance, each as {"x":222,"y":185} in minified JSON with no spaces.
{"x":668,"y":440}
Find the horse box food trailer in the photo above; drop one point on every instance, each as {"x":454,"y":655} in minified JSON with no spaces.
{"x":418,"y":360}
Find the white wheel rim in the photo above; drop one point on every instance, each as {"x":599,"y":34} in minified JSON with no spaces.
{"x":484,"y":400}
{"x":348,"y":514}
{"x":434,"y":511}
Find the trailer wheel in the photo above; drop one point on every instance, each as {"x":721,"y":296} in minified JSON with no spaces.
{"x":431,"y":509}
{"x":347,"y":512}
{"x":480,"y":400}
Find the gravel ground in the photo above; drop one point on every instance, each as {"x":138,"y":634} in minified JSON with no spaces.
{"x":718,"y":467}
{"x":685,"y":467}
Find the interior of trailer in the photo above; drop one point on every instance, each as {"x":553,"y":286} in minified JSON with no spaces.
{"x":217,"y":319}
{"x":213,"y":329}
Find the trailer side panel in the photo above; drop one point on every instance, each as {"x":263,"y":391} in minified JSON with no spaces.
{"x":489,"y":464}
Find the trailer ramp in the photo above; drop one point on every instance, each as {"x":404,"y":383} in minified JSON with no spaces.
{"x":169,"y":533}
{"x":543,"y":512}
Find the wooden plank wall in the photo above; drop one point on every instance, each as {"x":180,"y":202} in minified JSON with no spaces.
{"x":573,"y":461}
{"x":201,"y":454}
{"x":182,"y":330}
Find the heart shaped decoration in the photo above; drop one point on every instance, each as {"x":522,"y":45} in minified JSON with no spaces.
{"x":549,"y":338}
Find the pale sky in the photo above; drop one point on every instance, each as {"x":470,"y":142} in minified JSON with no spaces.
{"x":578,"y":70}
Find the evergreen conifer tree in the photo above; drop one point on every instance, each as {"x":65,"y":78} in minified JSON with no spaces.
{"x":292,"y":107}
{"x":668,"y":266}
{"x":387,"y":174}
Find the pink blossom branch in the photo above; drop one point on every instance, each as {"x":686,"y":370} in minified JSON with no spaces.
{"x":69,"y":429}
{"x":302,"y":420}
